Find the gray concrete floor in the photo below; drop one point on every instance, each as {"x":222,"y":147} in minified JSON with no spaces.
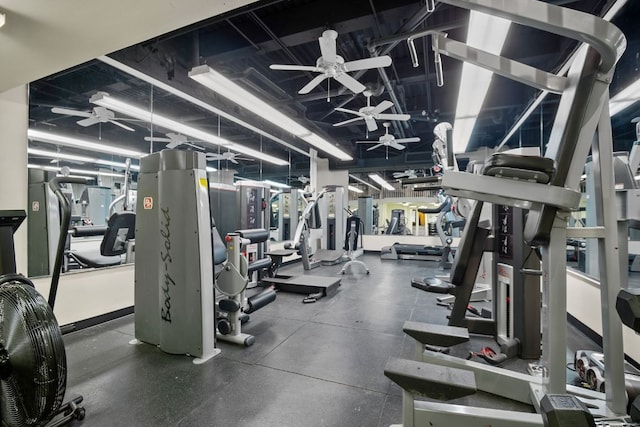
{"x":311,"y":365}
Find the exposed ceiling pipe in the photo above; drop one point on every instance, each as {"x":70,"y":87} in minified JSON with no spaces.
{"x":276,"y":39}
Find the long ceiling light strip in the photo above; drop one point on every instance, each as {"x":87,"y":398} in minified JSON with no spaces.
{"x":218,"y":83}
{"x":88,"y":145}
{"x":355,"y":189}
{"x":3,"y":19}
{"x":355,"y":178}
{"x":123,"y":107}
{"x":613,"y":11}
{"x":488,"y":33}
{"x":52,"y":138}
{"x":72,"y":170}
{"x":193,"y":100}
{"x":379,"y":180}
{"x":276,"y":184}
{"x":76,"y":158}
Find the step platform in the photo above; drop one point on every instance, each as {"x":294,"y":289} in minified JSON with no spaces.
{"x":305,"y":284}
{"x":436,"y":335}
{"x":429,"y":380}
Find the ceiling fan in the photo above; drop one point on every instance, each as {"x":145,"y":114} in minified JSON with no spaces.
{"x":409,"y":173}
{"x":387,"y":140}
{"x":302,"y":179}
{"x":174,"y":140}
{"x":331,"y":65}
{"x":371,"y":113}
{"x":230,"y":156}
{"x":97,"y":115}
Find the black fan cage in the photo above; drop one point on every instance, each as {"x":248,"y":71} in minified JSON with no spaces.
{"x":34,"y":368}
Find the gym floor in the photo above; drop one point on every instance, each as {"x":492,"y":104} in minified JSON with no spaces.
{"x":315,"y":364}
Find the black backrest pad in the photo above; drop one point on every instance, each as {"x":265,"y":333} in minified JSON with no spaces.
{"x":576,"y":120}
{"x":463,"y":253}
{"x":219,"y":248}
{"x":255,"y":235}
{"x":120,"y":228}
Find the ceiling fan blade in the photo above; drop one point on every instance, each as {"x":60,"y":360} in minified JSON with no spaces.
{"x":384,"y":105}
{"x":197,"y":147}
{"x":403,"y":117}
{"x":294,"y":67}
{"x":313,"y":83}
{"x":328,"y":46}
{"x":346,"y":110}
{"x":368,"y":63}
{"x":173,"y":144}
{"x":346,"y":122}
{"x":350,"y":83}
{"x":88,"y":121}
{"x":374,"y":147}
{"x":414,"y":139}
{"x":157,"y":139}
{"x":232,"y":160}
{"x":371,"y":124}
{"x":123,"y":126}
{"x":396,"y":145}
{"x":70,"y":112}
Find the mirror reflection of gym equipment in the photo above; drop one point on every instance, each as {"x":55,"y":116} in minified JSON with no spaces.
{"x":306,"y":294}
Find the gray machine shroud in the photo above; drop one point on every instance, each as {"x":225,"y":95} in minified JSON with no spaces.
{"x":174,"y":300}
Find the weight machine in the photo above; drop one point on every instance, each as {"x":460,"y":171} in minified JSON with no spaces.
{"x":314,"y":286}
{"x":550,"y":184}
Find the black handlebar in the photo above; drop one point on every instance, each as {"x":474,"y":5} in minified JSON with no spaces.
{"x":64,"y":229}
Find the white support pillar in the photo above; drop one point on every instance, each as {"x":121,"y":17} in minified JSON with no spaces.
{"x":14,"y":121}
{"x":313,"y":170}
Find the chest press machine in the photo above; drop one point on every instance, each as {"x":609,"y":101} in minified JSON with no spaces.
{"x":582,"y":123}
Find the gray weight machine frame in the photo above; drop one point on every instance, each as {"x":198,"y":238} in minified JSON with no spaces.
{"x":174,"y":292}
{"x":587,"y":86}
{"x":232,"y":281}
{"x":315,"y":287}
{"x":352,"y":253}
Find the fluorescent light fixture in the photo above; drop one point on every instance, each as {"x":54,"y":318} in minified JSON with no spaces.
{"x":272,"y":191}
{"x":210,"y":169}
{"x":625,"y":98}
{"x":276,"y":184}
{"x":488,"y":33}
{"x":31,"y":166}
{"x":105,"y":100}
{"x":101,"y":147}
{"x":73,"y":157}
{"x":355,"y":189}
{"x":363,"y":181}
{"x":195,"y":101}
{"x":80,"y":171}
{"x":3,"y":19}
{"x":379,"y":180}
{"x":218,"y":83}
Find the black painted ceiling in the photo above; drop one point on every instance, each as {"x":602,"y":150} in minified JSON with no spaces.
{"x":243,"y":43}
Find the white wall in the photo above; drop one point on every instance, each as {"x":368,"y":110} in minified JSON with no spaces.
{"x":84,"y":294}
{"x":583,"y":303}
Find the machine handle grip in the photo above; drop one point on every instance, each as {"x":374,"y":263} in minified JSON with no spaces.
{"x":64,"y":229}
